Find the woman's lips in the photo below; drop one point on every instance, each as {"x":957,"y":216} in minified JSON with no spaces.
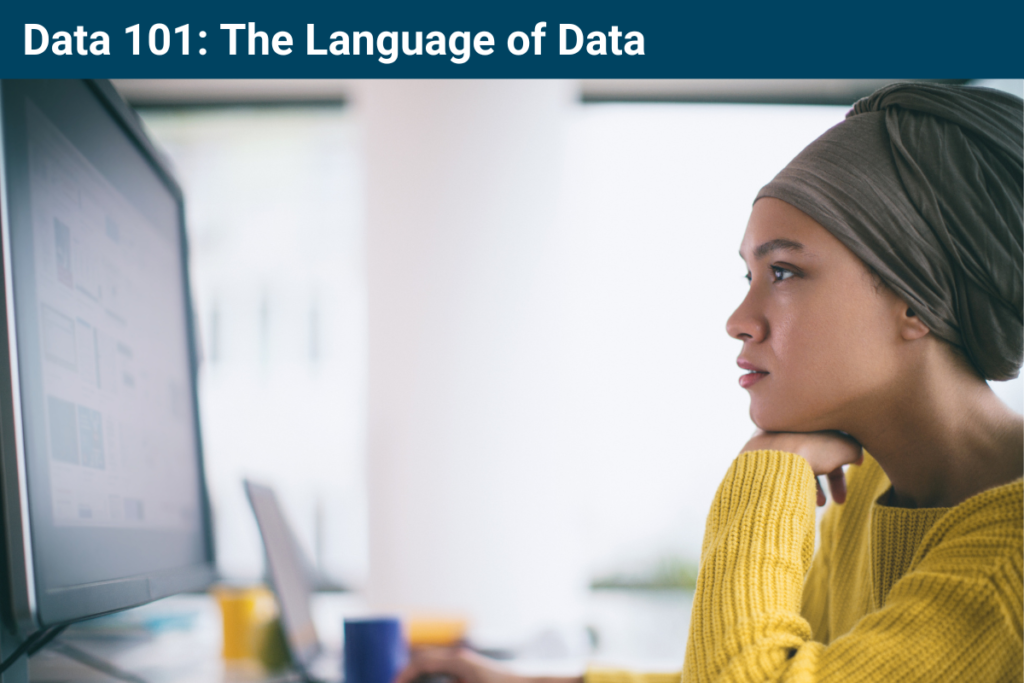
{"x":753,"y":376}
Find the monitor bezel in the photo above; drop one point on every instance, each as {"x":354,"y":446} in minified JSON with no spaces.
{"x":29,"y":610}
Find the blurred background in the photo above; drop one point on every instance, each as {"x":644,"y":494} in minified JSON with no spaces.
{"x":474,"y":333}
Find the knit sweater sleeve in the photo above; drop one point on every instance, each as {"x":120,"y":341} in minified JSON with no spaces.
{"x":608,"y":675}
{"x":950,"y":620}
{"x":815,"y":599}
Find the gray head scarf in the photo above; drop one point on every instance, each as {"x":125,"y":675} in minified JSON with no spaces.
{"x":924,"y":183}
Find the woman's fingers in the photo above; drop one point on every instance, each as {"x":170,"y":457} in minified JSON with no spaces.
{"x":837,"y":485}
{"x":823,"y":451}
{"x":460,"y":663}
{"x":432,"y":660}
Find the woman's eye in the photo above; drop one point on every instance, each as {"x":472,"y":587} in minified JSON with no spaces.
{"x":781,"y":273}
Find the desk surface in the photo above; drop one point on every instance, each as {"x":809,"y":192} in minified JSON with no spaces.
{"x":178,"y":640}
{"x":174,"y":640}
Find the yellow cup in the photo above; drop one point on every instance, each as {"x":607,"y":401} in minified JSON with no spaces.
{"x":246,"y":612}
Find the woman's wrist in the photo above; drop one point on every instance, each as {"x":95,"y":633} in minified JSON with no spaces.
{"x":555,"y":679}
{"x":825,"y":452}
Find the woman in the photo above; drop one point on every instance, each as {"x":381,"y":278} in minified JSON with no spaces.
{"x":885,"y":269}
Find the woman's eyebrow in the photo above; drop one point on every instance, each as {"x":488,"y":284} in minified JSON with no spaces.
{"x":776,"y":245}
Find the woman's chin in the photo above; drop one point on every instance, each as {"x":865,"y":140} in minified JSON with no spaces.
{"x":771,"y":419}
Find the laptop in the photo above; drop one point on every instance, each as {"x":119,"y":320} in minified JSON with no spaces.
{"x":290,"y":581}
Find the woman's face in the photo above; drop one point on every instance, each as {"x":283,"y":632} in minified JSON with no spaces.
{"x":821,"y":338}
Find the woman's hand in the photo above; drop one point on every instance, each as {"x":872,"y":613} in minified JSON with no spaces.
{"x":465,"y":666}
{"x":825,"y":452}
{"x":458,"y":662}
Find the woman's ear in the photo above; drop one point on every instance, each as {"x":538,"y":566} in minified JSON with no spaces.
{"x":911,"y":326}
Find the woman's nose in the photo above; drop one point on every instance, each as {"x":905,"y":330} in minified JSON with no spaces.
{"x":747,"y":322}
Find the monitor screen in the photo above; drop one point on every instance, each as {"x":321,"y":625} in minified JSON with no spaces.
{"x":102,"y":360}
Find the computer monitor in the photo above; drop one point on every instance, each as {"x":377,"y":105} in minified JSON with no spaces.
{"x":104,"y":502}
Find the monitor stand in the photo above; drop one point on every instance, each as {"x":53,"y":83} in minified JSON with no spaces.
{"x":9,"y":642}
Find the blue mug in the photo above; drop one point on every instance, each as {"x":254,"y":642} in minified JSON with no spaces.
{"x":375,"y":650}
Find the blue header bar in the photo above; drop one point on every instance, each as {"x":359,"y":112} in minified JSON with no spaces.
{"x":639,"y":39}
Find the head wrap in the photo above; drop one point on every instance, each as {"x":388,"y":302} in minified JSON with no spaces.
{"x":924,"y":183}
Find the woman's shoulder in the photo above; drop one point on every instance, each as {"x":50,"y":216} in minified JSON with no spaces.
{"x":980,"y":540}
{"x":995,"y":516}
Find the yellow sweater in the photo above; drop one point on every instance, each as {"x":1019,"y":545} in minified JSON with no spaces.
{"x":933,"y":594}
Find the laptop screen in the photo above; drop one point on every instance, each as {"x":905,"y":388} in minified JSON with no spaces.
{"x":287,"y":573}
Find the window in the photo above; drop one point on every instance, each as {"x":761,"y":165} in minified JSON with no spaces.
{"x":275,"y":219}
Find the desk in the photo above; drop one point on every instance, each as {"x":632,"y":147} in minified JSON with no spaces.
{"x":641,"y":630}
{"x":176,"y":640}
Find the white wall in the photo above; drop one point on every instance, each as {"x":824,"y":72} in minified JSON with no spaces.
{"x":474,"y":506}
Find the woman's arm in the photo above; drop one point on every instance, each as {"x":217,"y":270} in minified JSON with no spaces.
{"x":758,"y":546}
{"x":815,"y":599}
{"x":466,"y":666}
{"x":952,"y":617}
